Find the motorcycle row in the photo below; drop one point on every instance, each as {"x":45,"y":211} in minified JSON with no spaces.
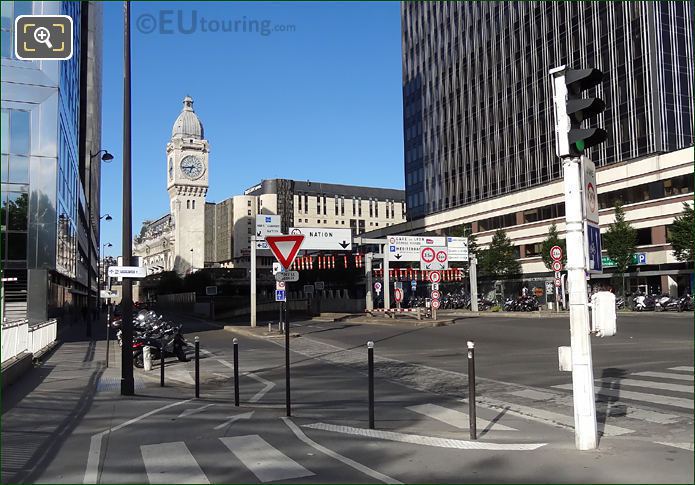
{"x":659,"y":303}
{"x":150,"y":329}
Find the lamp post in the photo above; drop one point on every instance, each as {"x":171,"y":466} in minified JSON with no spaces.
{"x":106,"y":157}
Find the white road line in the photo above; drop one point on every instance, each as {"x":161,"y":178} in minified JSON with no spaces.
{"x":171,"y":463}
{"x":268,"y":385}
{"x":684,"y":368}
{"x":649,"y":384}
{"x":425,"y":440}
{"x":349,"y":462}
{"x":91,"y":474}
{"x":665,"y":375}
{"x":234,"y":418}
{"x":640,"y":396}
{"x":684,"y":446}
{"x":455,"y":418}
{"x":547,"y":417}
{"x":190,"y":412}
{"x":264,"y":461}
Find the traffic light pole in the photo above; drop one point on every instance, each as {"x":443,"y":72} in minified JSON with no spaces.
{"x":580,"y":339}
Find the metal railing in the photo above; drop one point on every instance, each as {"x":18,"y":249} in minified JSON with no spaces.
{"x":18,"y":337}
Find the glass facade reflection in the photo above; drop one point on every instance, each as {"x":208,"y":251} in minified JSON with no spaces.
{"x":477,"y":100}
{"x":43,"y":197}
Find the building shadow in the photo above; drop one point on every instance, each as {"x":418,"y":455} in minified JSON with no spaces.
{"x":607,"y":397}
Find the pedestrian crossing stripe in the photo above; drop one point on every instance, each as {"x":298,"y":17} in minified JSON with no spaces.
{"x":171,"y":463}
{"x":666,"y":386}
{"x":639,"y":396}
{"x":664,"y":375}
{"x":684,"y":368}
{"x":455,"y":418}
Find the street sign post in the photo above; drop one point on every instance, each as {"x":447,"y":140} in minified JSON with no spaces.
{"x":556,"y":253}
{"x":398,"y":295}
{"x":407,"y":248}
{"x":435,"y":277}
{"x":436,"y":295}
{"x":266,"y":225}
{"x":594,"y":263}
{"x":458,"y":248}
{"x":557,"y":266}
{"x":280,"y":295}
{"x":434,"y":258}
{"x":324,"y":239}
{"x":285,"y":248}
{"x":319,"y":285}
{"x":590,"y":195}
{"x":377,"y":287}
{"x":127,"y":271}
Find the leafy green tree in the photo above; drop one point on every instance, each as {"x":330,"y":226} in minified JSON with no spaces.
{"x":683,"y":234}
{"x":620,"y":241}
{"x":499,"y":260}
{"x":553,"y":239}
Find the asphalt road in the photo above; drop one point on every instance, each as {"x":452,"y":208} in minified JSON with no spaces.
{"x":524,"y":409}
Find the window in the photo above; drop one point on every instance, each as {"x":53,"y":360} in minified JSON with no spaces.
{"x":644,"y":236}
{"x":532,"y":250}
{"x":248,"y":212}
{"x":248,"y":203}
{"x":188,"y":204}
{"x":10,"y":10}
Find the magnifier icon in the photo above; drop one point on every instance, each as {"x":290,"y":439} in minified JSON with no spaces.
{"x":43,"y":36}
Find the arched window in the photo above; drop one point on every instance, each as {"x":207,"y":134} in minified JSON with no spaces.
{"x":188,"y":203}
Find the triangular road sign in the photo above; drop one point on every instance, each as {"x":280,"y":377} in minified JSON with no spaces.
{"x":285,"y":248}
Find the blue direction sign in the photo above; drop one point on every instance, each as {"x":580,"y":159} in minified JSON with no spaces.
{"x":593,"y":244}
{"x":413,"y":284}
{"x":280,"y":295}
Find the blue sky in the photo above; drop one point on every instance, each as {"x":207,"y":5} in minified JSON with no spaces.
{"x":322,"y":102}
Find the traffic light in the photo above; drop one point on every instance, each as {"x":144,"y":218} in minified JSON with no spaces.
{"x":579,"y":109}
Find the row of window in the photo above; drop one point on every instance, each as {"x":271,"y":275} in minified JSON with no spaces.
{"x":682,"y":184}
{"x":644,"y":238}
{"x":303,"y":206}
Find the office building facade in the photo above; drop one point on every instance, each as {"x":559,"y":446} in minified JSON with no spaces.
{"x":51,"y":124}
{"x":479,"y":128}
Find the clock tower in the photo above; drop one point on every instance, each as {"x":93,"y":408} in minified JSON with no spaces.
{"x":187,"y":184}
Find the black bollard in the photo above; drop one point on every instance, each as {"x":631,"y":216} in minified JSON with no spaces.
{"x":471,"y":390}
{"x":161,"y":363}
{"x":370,"y":362}
{"x":197,"y":367}
{"x":236,"y":372}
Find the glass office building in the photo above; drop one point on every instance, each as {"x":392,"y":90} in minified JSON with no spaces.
{"x":47,"y":136}
{"x":477,"y":100}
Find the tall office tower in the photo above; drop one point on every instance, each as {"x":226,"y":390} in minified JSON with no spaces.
{"x":478,"y":119}
{"x":51,"y":137}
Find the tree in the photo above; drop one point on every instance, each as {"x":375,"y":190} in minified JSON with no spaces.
{"x":683,"y":234}
{"x":553,"y":239}
{"x":620,"y":241}
{"x":499,"y":260}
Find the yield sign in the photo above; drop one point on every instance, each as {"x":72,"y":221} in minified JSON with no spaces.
{"x":285,"y":248}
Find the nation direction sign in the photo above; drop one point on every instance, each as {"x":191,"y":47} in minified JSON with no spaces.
{"x":458,"y":248}
{"x":407,"y":248}
{"x":285,"y":248}
{"x":127,"y":271}
{"x":266,"y":225}
{"x":556,"y":253}
{"x":287,"y":276}
{"x":434,"y":258}
{"x":324,"y":239}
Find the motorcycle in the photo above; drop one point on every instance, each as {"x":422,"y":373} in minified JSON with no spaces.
{"x":685,"y":303}
{"x":666,"y":303}
{"x":644,"y":303}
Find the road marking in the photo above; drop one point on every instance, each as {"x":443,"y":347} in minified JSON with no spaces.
{"x":665,"y":375}
{"x":349,"y":462}
{"x":649,"y":384}
{"x":454,"y":418}
{"x":189,"y":412}
{"x":234,"y":418}
{"x":268,"y":385}
{"x":547,"y":417}
{"x":684,"y":446}
{"x":264,"y":461}
{"x":533,"y":395}
{"x":684,"y":368}
{"x":425,"y":440}
{"x":94,"y":456}
{"x":171,"y":463}
{"x":180,"y":375}
{"x":640,"y":396}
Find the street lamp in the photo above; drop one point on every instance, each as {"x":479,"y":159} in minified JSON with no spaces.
{"x":107,"y":216}
{"x":105,"y":157}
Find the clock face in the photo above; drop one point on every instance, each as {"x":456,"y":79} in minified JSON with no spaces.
{"x":192,"y":167}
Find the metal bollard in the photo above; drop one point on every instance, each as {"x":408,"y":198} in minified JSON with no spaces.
{"x":197,"y":367}
{"x":147,"y":358}
{"x":161,"y":365}
{"x":471,"y":390}
{"x":270,"y":327}
{"x":370,"y":362}
{"x":236,"y":372}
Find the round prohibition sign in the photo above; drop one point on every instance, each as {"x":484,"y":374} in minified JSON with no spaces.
{"x":558,"y":282}
{"x":442,"y":256}
{"x":435,"y":277}
{"x":427,"y":255}
{"x":435,"y":304}
{"x":436,"y":295}
{"x":398,"y":294}
{"x":557,"y":266}
{"x":556,"y":253}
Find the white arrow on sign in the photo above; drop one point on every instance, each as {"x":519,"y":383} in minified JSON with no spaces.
{"x":325,"y":239}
